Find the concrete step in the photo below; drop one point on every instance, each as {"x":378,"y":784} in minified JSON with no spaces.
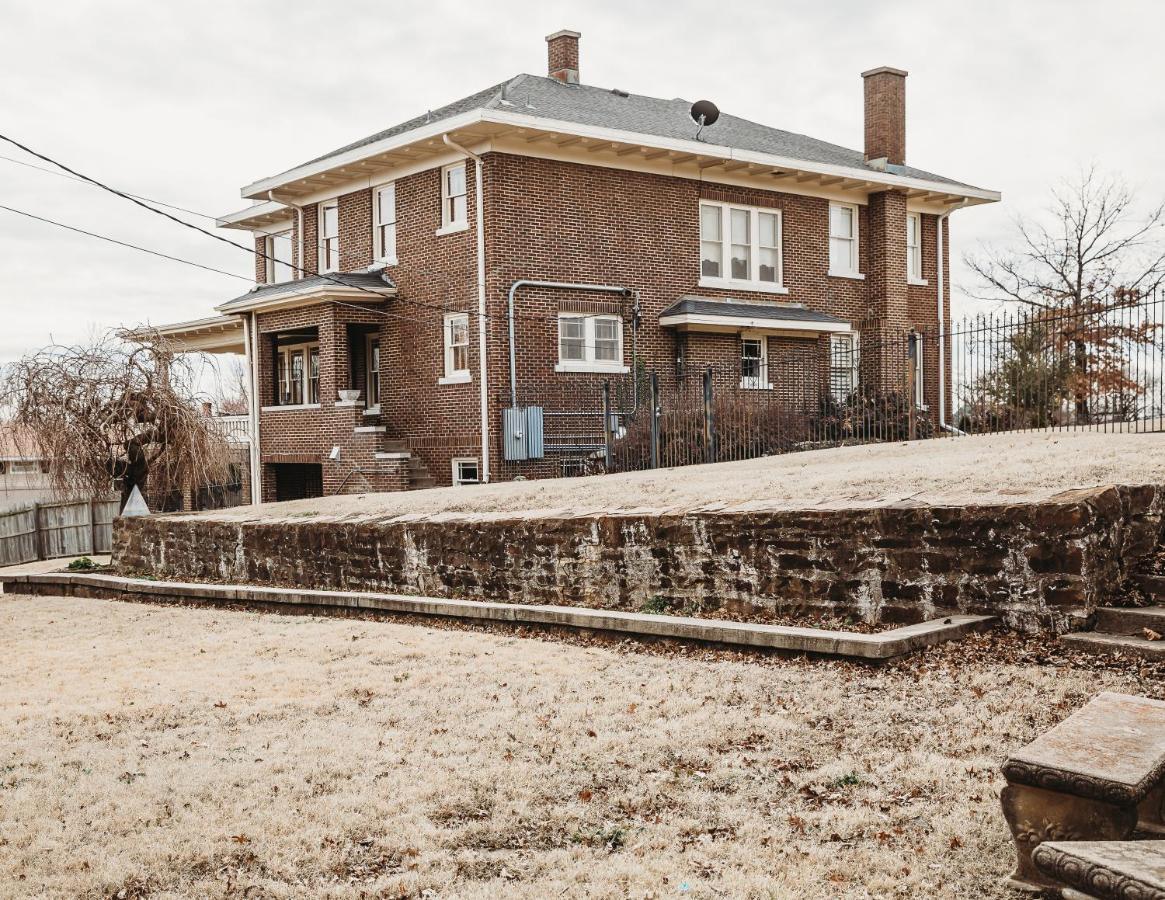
{"x":1123,"y":644}
{"x":1130,"y":620}
{"x":1153,"y":585}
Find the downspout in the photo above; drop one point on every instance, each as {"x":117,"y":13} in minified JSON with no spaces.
{"x":942,"y":336}
{"x":251,"y":336}
{"x":479,"y":210}
{"x":563,"y":285}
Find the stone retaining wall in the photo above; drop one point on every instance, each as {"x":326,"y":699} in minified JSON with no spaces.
{"x":1038,"y":565}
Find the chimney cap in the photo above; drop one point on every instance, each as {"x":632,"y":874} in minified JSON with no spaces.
{"x":888,"y":70}
{"x":564,"y":32}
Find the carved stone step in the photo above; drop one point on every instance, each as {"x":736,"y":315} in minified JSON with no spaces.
{"x":1134,"y":621}
{"x":1125,"y":644}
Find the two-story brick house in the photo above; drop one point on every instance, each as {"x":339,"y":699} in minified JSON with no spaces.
{"x":413,"y":286}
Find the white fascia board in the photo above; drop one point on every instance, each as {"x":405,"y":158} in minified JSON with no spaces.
{"x":699,"y":148}
{"x":309,"y":297}
{"x":243,"y":217}
{"x":756,"y":324}
{"x":260,"y":188}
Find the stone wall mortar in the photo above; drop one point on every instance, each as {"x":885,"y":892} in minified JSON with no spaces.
{"x":1038,"y":565}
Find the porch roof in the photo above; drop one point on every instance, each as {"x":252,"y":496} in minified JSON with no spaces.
{"x":214,"y":334}
{"x":692,"y":313}
{"x":359,"y":286}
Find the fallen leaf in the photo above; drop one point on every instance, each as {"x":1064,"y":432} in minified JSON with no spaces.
{"x":1151,"y":635}
{"x":585,"y":796}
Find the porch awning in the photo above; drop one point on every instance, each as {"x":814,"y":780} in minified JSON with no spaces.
{"x":216,"y":334}
{"x":358,"y":286}
{"x":691,"y":313}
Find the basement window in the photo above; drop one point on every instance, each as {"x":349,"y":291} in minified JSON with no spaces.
{"x":740,"y":247}
{"x":466,"y":471}
{"x":329,"y":260}
{"x":590,"y":343}
{"x":454,"y":211}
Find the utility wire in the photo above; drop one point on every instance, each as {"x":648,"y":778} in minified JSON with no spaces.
{"x":29,"y":165}
{"x":102,"y":237}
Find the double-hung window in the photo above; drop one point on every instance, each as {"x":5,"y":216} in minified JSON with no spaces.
{"x":843,"y":240}
{"x":754,"y":361}
{"x":454,"y":214}
{"x":740,"y":247}
{"x":297,"y":374}
{"x":372,"y":375}
{"x":589,"y":343}
{"x":914,"y":248}
{"x":384,"y":223}
{"x":277,"y":249}
{"x":456,"y":329}
{"x":329,"y":236}
{"x":843,"y":366}
{"x":914,"y":353}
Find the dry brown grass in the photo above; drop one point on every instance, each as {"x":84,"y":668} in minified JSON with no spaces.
{"x":171,"y":752}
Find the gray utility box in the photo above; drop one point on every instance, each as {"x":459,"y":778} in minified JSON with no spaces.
{"x":522,"y":432}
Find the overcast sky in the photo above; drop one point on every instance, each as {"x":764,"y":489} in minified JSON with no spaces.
{"x":186,"y":102}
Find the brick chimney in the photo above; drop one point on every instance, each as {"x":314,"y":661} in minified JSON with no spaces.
{"x":885,"y":90}
{"x":562,"y":55}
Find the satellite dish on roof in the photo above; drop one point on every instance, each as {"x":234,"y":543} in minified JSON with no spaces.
{"x":704,"y":112}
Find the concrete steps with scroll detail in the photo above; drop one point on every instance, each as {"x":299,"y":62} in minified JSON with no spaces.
{"x":1130,"y":631}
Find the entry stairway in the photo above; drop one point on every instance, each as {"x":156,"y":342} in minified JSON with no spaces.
{"x":1129,"y":630}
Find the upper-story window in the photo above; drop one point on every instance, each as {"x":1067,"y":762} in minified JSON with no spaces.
{"x":914,"y":247}
{"x":329,"y":236}
{"x":297,"y":374}
{"x":453,"y":198}
{"x":740,"y":247}
{"x":590,"y":343}
{"x":456,"y":348}
{"x":843,"y":239}
{"x":277,"y":249}
{"x":384,"y":223}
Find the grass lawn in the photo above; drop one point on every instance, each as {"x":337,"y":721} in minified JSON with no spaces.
{"x":171,"y":752}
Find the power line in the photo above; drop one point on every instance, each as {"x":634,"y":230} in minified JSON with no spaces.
{"x":29,"y":165}
{"x":102,"y":237}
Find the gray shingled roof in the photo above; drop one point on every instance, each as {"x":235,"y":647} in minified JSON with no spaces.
{"x":582,"y":104}
{"x":690,"y":304}
{"x":374,"y":282}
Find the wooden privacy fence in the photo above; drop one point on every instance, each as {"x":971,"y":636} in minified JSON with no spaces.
{"x":52,"y":530}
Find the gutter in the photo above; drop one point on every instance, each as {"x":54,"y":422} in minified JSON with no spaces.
{"x":479,"y":210}
{"x":942,"y":338}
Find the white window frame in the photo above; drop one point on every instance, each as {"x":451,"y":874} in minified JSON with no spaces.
{"x":371,"y":373}
{"x":852,"y":338}
{"x":753,"y":282}
{"x":449,"y":225}
{"x":918,"y":343}
{"x":589,"y":363}
{"x":384,"y":250}
{"x":458,"y":477}
{"x":271,"y":261}
{"x":326,"y":260}
{"x":286,"y":352}
{"x":914,"y":250}
{"x":452,"y":374}
{"x":24,"y":467}
{"x":760,"y":382}
{"x":855,"y":242}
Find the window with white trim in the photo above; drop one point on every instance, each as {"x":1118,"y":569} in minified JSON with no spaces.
{"x":843,"y":239}
{"x":457,"y":347}
{"x":916,"y":368}
{"x":329,"y":260}
{"x":914,"y":247}
{"x":843,"y":365}
{"x":466,"y":470}
{"x":453,"y":199}
{"x":740,"y":246}
{"x":590,"y":343}
{"x":24,"y":467}
{"x":297,"y":374}
{"x":277,"y":249}
{"x":372,"y":373}
{"x":754,"y":361}
{"x":384,"y":223}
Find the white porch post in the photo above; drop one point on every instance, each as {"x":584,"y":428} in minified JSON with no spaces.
{"x":251,"y":355}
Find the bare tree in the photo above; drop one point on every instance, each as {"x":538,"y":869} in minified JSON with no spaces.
{"x":119,"y":410}
{"x":232,"y":388}
{"x":1089,"y":257}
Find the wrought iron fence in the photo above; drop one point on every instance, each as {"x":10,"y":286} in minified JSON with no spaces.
{"x":1097,"y":366}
